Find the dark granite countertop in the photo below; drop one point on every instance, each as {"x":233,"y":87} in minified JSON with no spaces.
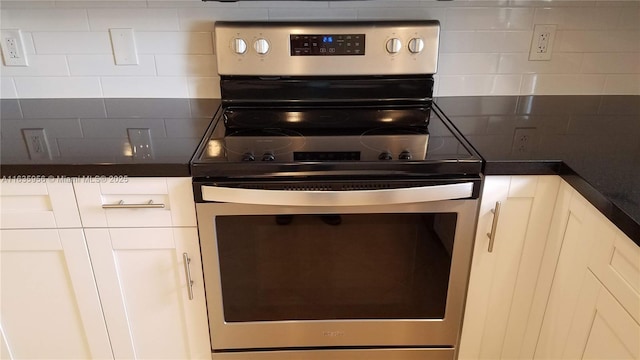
{"x":593,"y":142}
{"x":89,"y":137}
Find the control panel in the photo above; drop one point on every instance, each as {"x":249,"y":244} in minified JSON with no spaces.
{"x":327,"y":48}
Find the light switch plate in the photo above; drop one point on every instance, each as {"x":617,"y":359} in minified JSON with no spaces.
{"x":124,"y":46}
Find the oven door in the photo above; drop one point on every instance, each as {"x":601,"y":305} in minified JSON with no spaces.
{"x":336,"y":269}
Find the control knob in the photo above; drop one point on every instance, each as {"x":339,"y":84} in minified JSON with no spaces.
{"x":239,"y":46}
{"x":268,"y":157}
{"x":248,"y":157}
{"x":261,"y":46}
{"x":405,"y":155}
{"x":385,"y":156}
{"x":394,"y":45}
{"x":416,"y":45}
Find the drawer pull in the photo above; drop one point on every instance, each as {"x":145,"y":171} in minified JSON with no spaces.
{"x":122,"y":205}
{"x":494,"y":225}
{"x":187,"y":272}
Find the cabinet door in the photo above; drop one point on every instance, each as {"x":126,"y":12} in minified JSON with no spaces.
{"x":592,"y":308}
{"x":574,"y":228}
{"x":601,"y":328}
{"x":38,"y":205}
{"x":138,"y":202}
{"x":141,"y":278}
{"x":502,"y":282}
{"x":50,"y":307}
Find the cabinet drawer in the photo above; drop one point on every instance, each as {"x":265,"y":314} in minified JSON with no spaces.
{"x":616,"y":263}
{"x":140,"y":202}
{"x":38,"y":205}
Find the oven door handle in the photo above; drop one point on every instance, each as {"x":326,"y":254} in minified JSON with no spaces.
{"x":337,"y":198}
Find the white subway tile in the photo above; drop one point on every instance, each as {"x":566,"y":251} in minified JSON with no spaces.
{"x":304,"y":13}
{"x":560,"y":63}
{"x":142,"y":87}
{"x":104,"y":65}
{"x":628,"y":84}
{"x":204,"y":87}
{"x":584,"y":18}
{"x":489,"y":18}
{"x":554,"y":3}
{"x":188,"y":3}
{"x":44,"y":19}
{"x":375,"y":3}
{"x":392,"y":13}
{"x":506,"y":85}
{"x":72,"y":42}
{"x":542,"y":84}
{"x":138,"y":19}
{"x":58,"y":87}
{"x":467,"y":64}
{"x":101,"y":4}
{"x":630,"y":18}
{"x":7,"y":88}
{"x":464,"y":85}
{"x":21,"y":4}
{"x":186,"y":65}
{"x":203,"y":19}
{"x":598,"y":41}
{"x":473,"y":85}
{"x":484,"y":41}
{"x":39,"y":65}
{"x":286,"y":4}
{"x":29,"y":46}
{"x":174,"y":42}
{"x":611,"y":63}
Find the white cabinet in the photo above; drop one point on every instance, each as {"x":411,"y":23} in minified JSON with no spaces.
{"x":39,"y":205}
{"x":139,"y":202}
{"x":50,"y":305}
{"x":503,"y":282}
{"x":123,"y":292}
{"x":151,"y":310}
{"x":594,"y":304}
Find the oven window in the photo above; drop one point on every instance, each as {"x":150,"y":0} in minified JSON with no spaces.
{"x":324,"y":267}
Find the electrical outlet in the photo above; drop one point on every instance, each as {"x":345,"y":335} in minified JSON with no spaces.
{"x":140,"y":140}
{"x":523,"y":142}
{"x":542,"y":42}
{"x":37,"y":144}
{"x":13,"y":48}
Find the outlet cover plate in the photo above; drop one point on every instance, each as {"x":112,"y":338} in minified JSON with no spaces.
{"x":37,"y":144}
{"x":542,"y":42}
{"x":13,"y":48}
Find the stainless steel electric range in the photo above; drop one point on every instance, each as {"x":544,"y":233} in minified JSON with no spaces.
{"x":336,"y":204}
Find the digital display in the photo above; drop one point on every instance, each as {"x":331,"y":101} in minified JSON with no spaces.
{"x":327,"y":44}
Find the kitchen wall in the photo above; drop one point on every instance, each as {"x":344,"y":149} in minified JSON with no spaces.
{"x":484,"y":45}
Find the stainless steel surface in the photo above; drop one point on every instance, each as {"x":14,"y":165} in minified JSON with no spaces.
{"x":378,"y":354}
{"x":122,"y":205}
{"x":494,"y":226}
{"x":337,"y":198}
{"x":324,"y":333}
{"x":282,"y":147}
{"x":187,"y":273}
{"x":270,"y":53}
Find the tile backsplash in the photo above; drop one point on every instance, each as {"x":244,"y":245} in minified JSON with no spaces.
{"x":484,"y":44}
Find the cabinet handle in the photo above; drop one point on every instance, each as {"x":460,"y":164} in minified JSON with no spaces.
{"x":187,"y":272}
{"x":494,"y":225}
{"x":122,"y":205}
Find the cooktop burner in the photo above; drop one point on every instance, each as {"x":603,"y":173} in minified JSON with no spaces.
{"x":354,"y":140}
